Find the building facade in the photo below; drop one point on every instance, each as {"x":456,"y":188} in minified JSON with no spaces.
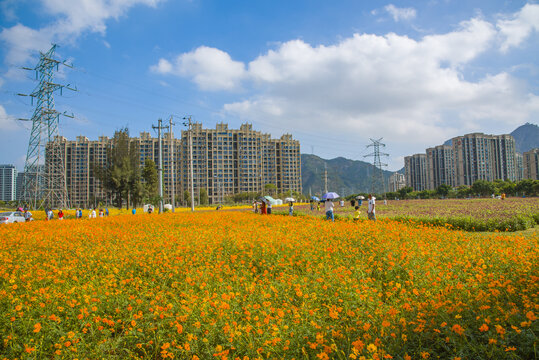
{"x":231,"y":161}
{"x":8,"y":182}
{"x":531,"y":164}
{"x":225,"y":162}
{"x":440,"y":166}
{"x":416,"y":172}
{"x":397,"y":181}
{"x":483,"y":157}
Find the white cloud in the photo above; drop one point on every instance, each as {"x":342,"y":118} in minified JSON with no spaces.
{"x":72,"y":18}
{"x":516,"y":28}
{"x":412,"y":92}
{"x":400,"y":13}
{"x":210,"y":68}
{"x":7,"y":122}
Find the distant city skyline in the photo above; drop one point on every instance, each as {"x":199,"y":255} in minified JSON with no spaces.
{"x":332,"y":74}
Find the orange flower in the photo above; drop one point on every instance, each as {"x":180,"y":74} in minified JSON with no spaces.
{"x":37,"y":327}
{"x":457,"y":329}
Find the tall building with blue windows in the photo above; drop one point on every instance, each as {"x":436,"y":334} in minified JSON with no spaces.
{"x":8,"y":182}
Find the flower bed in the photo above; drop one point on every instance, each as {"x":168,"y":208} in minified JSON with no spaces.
{"x":227,"y":285}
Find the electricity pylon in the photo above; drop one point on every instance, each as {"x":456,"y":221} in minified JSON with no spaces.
{"x":378,"y":185}
{"x":44,"y":170}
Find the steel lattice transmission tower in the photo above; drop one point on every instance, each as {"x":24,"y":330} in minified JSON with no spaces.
{"x":378,"y":184}
{"x":44,"y":170}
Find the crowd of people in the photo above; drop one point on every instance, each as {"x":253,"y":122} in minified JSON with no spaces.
{"x":264,"y":207}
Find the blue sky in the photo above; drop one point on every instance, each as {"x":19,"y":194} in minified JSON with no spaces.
{"x":333,"y":74}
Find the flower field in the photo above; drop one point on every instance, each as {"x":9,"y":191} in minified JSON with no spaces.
{"x":511,"y":214}
{"x":234,"y":285}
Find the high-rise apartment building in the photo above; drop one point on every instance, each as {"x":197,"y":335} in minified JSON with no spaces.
{"x":416,"y":172}
{"x":483,"y":157}
{"x":531,"y":164}
{"x":469,"y":158}
{"x":83,"y":188}
{"x":8,"y":182}
{"x":519,"y":166}
{"x":225,"y":162}
{"x":230,"y":161}
{"x":396,"y":181}
{"x":440,"y":166}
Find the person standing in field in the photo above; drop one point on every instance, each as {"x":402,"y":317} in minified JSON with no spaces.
{"x":27,"y":215}
{"x":92,"y":214}
{"x":290,"y":208}
{"x":371,"y":208}
{"x":269,"y":207}
{"x":329,"y":210}
{"x":357,"y":214}
{"x":60,"y":215}
{"x":263,"y":210}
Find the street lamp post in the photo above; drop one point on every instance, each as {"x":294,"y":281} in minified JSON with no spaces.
{"x":190,"y":135}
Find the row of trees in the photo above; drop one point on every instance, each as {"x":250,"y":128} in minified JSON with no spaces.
{"x":480,"y":188}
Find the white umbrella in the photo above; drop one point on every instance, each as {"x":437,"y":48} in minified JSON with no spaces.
{"x":360,"y":197}
{"x":289,"y":199}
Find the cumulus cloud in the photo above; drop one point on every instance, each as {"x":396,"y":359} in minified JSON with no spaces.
{"x":72,"y":18}
{"x":413,"y":92}
{"x":209,"y":68}
{"x":7,"y":122}
{"x":516,"y":28}
{"x":400,"y":13}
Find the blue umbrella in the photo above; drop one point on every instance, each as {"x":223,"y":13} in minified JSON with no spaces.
{"x":315,"y":198}
{"x":330,"y":195}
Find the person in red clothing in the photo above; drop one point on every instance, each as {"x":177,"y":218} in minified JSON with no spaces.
{"x":263,"y":210}
{"x":60,"y":215}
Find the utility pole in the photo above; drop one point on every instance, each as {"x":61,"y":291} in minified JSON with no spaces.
{"x":325,"y":178}
{"x":190,"y":128}
{"x":377,"y":178}
{"x":44,"y":180}
{"x":171,"y":157}
{"x":160,"y":165}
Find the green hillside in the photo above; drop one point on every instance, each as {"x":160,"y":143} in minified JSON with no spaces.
{"x":344,"y":176}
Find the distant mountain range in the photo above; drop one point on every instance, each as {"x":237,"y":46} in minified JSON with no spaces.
{"x":526,"y":137}
{"x":344,"y":176}
{"x":354,"y":176}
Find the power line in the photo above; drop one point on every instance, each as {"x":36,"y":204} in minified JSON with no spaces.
{"x":44,"y":170}
{"x":378,"y":185}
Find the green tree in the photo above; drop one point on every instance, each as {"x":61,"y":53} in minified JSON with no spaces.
{"x":443,"y":190}
{"x":483,"y":188}
{"x":403,"y":193}
{"x":151,"y":181}
{"x":204,"y":200}
{"x":270,"y":189}
{"x":463,"y":191}
{"x":528,"y":187}
{"x":186,"y":198}
{"x":120,"y":175}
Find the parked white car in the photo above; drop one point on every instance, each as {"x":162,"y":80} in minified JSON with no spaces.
{"x":11,"y":217}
